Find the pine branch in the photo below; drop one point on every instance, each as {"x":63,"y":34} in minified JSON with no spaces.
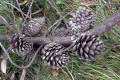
{"x":107,"y":25}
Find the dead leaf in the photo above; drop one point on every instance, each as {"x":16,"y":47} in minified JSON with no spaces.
{"x":54,"y":73}
{"x":24,"y":2}
{"x":37,"y":11}
{"x":12,"y":76}
{"x":89,"y":3}
{"x":22,"y":77}
{"x":3,"y":65}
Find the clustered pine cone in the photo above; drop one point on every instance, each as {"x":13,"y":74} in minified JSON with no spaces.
{"x":52,"y":56}
{"x":33,"y":27}
{"x":82,"y":21}
{"x":88,"y":47}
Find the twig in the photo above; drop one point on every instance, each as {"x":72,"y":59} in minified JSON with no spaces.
{"x":15,"y":8}
{"x":29,"y":11}
{"x":14,"y":21}
{"x":21,"y":67}
{"x":5,"y":37}
{"x":6,"y":23}
{"x":49,"y":29}
{"x":19,"y":8}
{"x":56,"y":27}
{"x":52,"y":3}
{"x":68,"y":48}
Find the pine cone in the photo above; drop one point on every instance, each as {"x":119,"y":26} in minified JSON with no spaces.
{"x":21,"y":46}
{"x":52,"y":56}
{"x":82,"y":21}
{"x":88,"y":47}
{"x":24,"y":46}
{"x":33,"y":27}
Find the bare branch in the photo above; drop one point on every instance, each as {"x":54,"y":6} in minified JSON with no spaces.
{"x":106,"y":25}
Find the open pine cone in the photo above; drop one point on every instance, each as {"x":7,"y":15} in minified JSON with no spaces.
{"x":33,"y":27}
{"x":24,"y":46}
{"x":52,"y":56}
{"x":82,"y":21}
{"x":88,"y":47}
{"x":20,"y":46}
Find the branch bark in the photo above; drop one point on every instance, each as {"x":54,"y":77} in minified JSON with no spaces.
{"x":107,"y":25}
{"x":66,"y":41}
